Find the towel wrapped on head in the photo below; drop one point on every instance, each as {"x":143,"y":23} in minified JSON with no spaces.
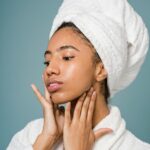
{"x":117,"y":32}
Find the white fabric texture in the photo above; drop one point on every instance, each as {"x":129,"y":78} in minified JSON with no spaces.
{"x":120,"y":139}
{"x":116,"y":31}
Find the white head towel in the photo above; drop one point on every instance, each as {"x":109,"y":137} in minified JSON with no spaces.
{"x":116,"y":31}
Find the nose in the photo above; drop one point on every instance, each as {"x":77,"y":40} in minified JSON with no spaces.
{"x":53,"y":68}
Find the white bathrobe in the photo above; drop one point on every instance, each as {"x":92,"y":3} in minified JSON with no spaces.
{"x":119,"y":139}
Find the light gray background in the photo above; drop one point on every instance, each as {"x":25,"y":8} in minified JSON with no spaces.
{"x":24,"y":30}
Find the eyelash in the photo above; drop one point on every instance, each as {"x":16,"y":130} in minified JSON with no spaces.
{"x":46,"y":63}
{"x":66,"y":58}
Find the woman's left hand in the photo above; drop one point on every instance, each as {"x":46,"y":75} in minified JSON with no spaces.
{"x":78,"y":133}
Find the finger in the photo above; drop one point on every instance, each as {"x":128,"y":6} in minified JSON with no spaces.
{"x":77,"y":110}
{"x":101,"y":132}
{"x":39,"y":95}
{"x":56,"y":113}
{"x":56,"y":106}
{"x":68,"y":114}
{"x":91,"y":108}
{"x":47,"y":94}
{"x":56,"y":110}
{"x":85,"y":106}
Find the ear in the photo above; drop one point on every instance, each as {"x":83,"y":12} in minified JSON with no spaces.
{"x":100,"y":72}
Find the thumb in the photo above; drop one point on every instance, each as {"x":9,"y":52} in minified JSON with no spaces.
{"x":101,"y":132}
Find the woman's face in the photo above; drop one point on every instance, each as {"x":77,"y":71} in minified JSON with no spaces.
{"x":68,"y":60}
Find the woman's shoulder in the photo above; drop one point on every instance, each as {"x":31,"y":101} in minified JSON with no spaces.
{"x":27,"y":135}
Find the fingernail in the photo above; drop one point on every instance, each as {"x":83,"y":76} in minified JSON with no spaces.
{"x":84,"y":94}
{"x":31,"y":85}
{"x":91,"y":89}
{"x":94,"y":93}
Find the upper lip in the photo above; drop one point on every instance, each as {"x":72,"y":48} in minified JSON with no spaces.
{"x":54,"y":81}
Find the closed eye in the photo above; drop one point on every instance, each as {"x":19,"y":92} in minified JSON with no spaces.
{"x":46,"y":63}
{"x":67,"y":58}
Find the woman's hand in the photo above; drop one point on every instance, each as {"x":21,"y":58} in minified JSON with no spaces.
{"x":78,"y":133}
{"x":53,"y":121}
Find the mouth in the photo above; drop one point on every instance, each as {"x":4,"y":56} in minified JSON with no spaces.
{"x":54,"y":86}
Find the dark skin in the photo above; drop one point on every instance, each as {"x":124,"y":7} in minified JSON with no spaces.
{"x":84,"y":108}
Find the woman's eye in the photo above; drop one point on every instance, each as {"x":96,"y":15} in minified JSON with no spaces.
{"x":46,"y":63}
{"x":67,"y":58}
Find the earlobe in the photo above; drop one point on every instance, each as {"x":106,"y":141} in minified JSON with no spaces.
{"x":100,"y":72}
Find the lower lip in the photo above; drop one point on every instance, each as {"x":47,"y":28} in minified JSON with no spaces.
{"x":54,"y":87}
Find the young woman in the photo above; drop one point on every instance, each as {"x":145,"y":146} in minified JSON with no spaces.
{"x":91,"y":55}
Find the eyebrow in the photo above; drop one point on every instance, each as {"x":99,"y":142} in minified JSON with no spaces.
{"x":62,"y":48}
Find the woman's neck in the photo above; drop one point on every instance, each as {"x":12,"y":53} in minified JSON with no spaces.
{"x":101,"y":109}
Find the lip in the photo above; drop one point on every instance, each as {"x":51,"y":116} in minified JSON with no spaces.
{"x":54,"y":86}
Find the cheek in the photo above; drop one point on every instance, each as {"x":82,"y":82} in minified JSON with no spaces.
{"x":78,"y":79}
{"x":45,"y":75}
{"x":66,"y":95}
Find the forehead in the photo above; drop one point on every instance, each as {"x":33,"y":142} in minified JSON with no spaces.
{"x":67,"y":36}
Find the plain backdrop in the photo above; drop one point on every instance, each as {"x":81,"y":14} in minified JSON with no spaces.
{"x":24,"y":31}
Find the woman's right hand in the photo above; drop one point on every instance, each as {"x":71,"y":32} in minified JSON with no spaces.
{"x":53,"y":121}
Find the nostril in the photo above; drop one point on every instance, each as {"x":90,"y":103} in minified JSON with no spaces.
{"x":52,"y":70}
{"x":49,"y":72}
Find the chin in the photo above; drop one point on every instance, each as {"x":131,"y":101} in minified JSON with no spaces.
{"x":58,"y":98}
{"x":59,"y":101}
{"x":62,"y":98}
